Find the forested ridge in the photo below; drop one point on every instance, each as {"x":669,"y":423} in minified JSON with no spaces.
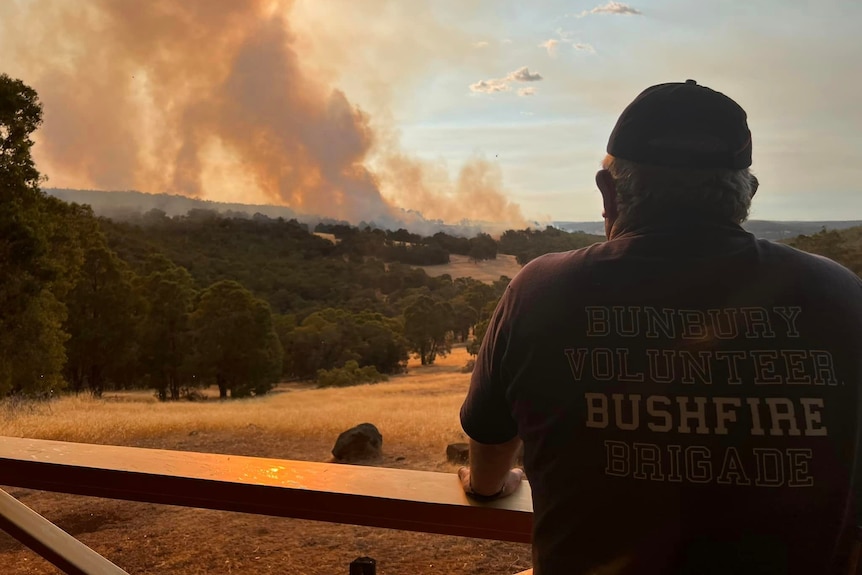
{"x":344,"y":311}
{"x":175,"y":303}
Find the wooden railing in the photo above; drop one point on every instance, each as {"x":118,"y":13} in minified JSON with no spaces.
{"x":393,"y":498}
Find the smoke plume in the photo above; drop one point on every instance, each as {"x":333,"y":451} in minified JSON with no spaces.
{"x":211,"y":98}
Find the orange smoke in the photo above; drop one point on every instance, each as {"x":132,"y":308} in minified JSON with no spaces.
{"x":475,"y":195}
{"x":210,"y":98}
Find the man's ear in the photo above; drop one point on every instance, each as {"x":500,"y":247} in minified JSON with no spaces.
{"x":608,"y":188}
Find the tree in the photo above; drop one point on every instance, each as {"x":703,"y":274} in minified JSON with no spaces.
{"x":478,"y":335}
{"x":20,"y":116}
{"x":350,"y":374}
{"x":284,"y":325}
{"x":382,"y":342}
{"x":324,"y":340}
{"x":529,"y":244}
{"x":485,"y":314}
{"x":452,"y":244}
{"x":477,"y":294}
{"x":31,"y":334}
{"x":464,"y":317}
{"x":332,"y":337}
{"x":100,"y":320}
{"x":483,"y":247}
{"x":165,"y":339}
{"x":235,"y":340}
{"x":427,"y":325}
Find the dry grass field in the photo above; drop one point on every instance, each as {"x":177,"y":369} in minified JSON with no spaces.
{"x":487,"y":271}
{"x":416,"y":413}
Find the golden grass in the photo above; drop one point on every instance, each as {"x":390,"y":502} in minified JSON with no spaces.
{"x":417,"y":410}
{"x":487,"y":271}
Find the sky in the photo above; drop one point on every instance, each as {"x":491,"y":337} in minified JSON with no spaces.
{"x":492,"y":110}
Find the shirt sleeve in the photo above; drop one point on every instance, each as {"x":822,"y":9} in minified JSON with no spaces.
{"x":486,"y":415}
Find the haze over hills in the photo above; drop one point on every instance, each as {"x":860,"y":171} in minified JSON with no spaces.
{"x":129,"y":205}
{"x":126,"y":205}
{"x":766,"y":229}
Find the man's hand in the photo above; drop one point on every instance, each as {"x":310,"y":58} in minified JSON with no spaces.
{"x":509,"y":486}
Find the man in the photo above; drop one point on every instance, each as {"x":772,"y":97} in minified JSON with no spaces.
{"x":687,"y":395}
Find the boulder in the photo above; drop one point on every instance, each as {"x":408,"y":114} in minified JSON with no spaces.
{"x":363,"y":566}
{"x":358,"y":443}
{"x":458,"y":453}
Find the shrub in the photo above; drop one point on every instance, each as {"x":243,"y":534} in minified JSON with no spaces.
{"x":350,"y":374}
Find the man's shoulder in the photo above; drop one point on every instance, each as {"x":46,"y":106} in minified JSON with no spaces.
{"x":762,"y":258}
{"x":552,"y":265}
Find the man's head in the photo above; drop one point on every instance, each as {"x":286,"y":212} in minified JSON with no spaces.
{"x":678,"y":151}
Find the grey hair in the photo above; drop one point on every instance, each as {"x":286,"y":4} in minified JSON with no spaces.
{"x":646,"y":192}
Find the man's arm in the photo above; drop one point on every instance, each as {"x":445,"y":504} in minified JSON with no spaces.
{"x":486,"y":415}
{"x":490,"y":474}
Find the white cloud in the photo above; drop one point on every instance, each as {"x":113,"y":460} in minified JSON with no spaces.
{"x":551,"y":46}
{"x":490,"y":86}
{"x":612,"y":8}
{"x":616,"y":8}
{"x":481,"y":44}
{"x":565,"y":35}
{"x":568,"y":37}
{"x":523,"y":74}
{"x":494,"y":85}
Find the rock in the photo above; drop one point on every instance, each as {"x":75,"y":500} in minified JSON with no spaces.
{"x":358,"y":444}
{"x":458,"y":453}
{"x":363,"y":566}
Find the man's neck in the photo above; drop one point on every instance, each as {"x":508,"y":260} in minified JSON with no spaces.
{"x":699,"y":225}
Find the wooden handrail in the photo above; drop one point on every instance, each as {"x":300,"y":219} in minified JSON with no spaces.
{"x":393,"y":498}
{"x":51,"y":542}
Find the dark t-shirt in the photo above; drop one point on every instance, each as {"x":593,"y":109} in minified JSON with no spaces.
{"x":689,"y":402}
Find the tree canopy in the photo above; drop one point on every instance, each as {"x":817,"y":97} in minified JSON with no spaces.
{"x":236,"y":344}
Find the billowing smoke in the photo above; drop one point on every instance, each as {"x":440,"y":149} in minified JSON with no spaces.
{"x":210,"y":98}
{"x":475,"y":194}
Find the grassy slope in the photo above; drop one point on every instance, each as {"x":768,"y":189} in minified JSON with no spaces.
{"x":487,"y":271}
